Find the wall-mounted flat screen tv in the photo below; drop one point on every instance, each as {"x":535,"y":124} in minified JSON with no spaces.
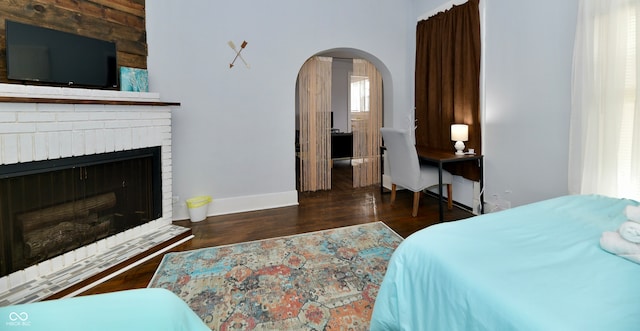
{"x":37,"y":54}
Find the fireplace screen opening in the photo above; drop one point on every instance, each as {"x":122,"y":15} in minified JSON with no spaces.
{"x":48,"y":208}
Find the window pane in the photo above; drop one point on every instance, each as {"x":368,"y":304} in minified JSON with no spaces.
{"x":359,"y":94}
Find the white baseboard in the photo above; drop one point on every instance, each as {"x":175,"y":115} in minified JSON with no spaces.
{"x":386,"y":182}
{"x":241,"y":204}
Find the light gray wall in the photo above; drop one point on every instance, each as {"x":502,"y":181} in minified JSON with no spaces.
{"x":341,"y":68}
{"x":528,"y":47}
{"x":529,"y":50}
{"x":233,"y":136}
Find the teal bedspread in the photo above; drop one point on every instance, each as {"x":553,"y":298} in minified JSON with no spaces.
{"x":535,"y":267}
{"x":142,"y":309}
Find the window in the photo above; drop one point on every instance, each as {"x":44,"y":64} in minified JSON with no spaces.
{"x":604,"y":148}
{"x":359,"y":94}
{"x":625,"y":150}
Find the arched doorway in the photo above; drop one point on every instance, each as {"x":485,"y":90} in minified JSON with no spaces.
{"x":339,"y":111}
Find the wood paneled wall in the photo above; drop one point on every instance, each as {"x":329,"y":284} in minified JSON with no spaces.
{"x":122,"y":21}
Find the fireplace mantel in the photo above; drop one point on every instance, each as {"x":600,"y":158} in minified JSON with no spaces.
{"x":86,"y":101}
{"x":17,"y":93}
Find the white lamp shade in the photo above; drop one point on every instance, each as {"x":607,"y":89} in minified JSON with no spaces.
{"x":459,"y":132}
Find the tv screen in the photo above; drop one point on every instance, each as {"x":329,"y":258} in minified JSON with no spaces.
{"x":44,"y":55}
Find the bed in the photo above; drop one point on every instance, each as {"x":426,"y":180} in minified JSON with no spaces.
{"x":534,"y":267}
{"x":141,"y":309}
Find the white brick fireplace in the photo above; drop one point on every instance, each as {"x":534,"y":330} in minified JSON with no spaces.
{"x":32,"y":130}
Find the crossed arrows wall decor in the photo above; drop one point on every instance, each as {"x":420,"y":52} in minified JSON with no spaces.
{"x":233,"y":46}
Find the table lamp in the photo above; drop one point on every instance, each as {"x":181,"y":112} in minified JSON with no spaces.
{"x":459,"y":133}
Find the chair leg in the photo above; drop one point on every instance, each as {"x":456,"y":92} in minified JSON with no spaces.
{"x":450,"y":196}
{"x":393,"y":193}
{"x":416,"y":203}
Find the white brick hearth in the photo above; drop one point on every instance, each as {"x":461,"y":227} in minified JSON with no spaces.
{"x":32,"y":131}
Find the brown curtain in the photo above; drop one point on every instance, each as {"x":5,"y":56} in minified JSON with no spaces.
{"x":447,"y":81}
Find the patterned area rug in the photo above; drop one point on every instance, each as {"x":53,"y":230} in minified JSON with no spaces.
{"x":325,"y":280}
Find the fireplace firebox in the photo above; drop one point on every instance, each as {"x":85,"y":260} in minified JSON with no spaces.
{"x":48,"y":208}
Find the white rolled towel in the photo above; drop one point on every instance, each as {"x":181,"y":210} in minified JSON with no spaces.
{"x":632,"y":213}
{"x":613,"y":243}
{"x":630,"y":231}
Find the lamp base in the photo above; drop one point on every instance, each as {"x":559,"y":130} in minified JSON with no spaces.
{"x":459,"y":148}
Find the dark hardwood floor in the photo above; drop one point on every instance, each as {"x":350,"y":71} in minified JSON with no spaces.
{"x":342,"y":206}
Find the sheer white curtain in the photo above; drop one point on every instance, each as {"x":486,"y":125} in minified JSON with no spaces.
{"x":604,"y":147}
